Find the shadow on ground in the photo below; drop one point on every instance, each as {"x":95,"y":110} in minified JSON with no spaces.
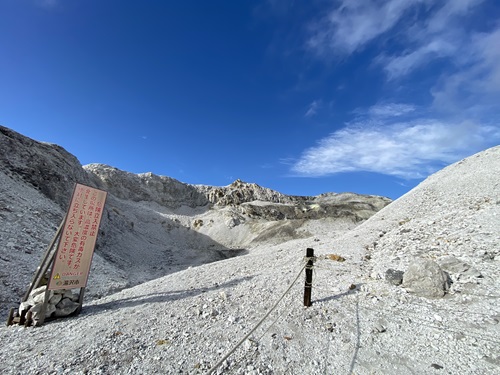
{"x":99,"y":308}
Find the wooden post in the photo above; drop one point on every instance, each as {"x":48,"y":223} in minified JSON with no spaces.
{"x":80,"y":301}
{"x":46,"y":262}
{"x":309,"y":277}
{"x":10,"y":318}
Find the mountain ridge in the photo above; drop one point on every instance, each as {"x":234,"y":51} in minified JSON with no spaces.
{"x":151,"y":311}
{"x":152,"y":214}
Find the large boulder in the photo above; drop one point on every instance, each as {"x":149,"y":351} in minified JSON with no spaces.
{"x":426,"y":279}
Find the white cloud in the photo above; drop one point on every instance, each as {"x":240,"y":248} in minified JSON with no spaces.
{"x":313,"y":108}
{"x":350,"y":25}
{"x":407,"y":150}
{"x":419,"y":31}
{"x":398,"y":66}
{"x":402,"y":139}
{"x":390,"y":109}
{"x":443,"y":19}
{"x":473,"y":88}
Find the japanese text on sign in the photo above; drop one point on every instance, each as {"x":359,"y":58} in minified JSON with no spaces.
{"x":77,"y":242}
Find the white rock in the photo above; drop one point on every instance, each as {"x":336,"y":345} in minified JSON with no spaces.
{"x":55,"y":299}
{"x":66,"y":307}
{"x":39,"y":298}
{"x":426,"y":279}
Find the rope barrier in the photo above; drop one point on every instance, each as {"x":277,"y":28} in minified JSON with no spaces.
{"x":221,"y":361}
{"x":331,"y":266}
{"x":274,"y":322}
{"x":415,"y":316}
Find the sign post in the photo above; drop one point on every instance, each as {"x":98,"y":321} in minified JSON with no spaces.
{"x":76,"y":237}
{"x":309,"y":277}
{"x":76,"y":247}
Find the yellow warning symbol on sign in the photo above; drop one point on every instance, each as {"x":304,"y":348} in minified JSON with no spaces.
{"x":57,"y":276}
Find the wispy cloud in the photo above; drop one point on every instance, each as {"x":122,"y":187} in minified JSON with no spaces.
{"x":461,"y":116}
{"x":474,"y":86}
{"x":419,"y":32}
{"x":390,"y":109}
{"x":396,"y":139}
{"x":397,"y":66}
{"x":350,"y":25}
{"x":440,"y":36}
{"x":403,"y":149}
{"x":313,"y":108}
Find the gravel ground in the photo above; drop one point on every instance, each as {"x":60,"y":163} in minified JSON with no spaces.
{"x":359,"y":323}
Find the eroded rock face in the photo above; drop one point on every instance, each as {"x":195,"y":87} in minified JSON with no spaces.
{"x":241,"y":192}
{"x":257,"y":202}
{"x":47,"y":167}
{"x":53,"y":171}
{"x":148,"y":187}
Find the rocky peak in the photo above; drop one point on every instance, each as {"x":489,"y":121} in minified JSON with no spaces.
{"x":240,"y":192}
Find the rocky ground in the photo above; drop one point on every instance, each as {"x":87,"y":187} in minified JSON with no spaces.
{"x":363,"y":320}
{"x":153,"y":225}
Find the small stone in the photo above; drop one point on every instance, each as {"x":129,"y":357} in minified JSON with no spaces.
{"x":394,"y":277}
{"x":68,"y":293}
{"x":55,"y":299}
{"x":49,"y":310}
{"x":39,"y":298}
{"x":436,"y":366}
{"x":66,"y":307}
{"x":223,"y":296}
{"x":247,"y":345}
{"x":380,"y":326}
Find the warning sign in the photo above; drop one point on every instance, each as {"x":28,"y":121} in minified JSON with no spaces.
{"x":76,"y":245}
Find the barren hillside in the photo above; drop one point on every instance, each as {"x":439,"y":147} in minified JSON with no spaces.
{"x":153,"y":225}
{"x":436,"y":311}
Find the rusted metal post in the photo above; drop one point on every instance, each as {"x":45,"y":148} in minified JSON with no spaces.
{"x":309,"y":277}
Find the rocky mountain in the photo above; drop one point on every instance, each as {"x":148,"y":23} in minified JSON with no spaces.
{"x":152,"y":225}
{"x":411,"y":290}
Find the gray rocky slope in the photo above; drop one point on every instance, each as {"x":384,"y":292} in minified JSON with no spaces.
{"x":361,"y":320}
{"x":153,"y":225}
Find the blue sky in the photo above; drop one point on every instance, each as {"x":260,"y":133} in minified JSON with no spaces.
{"x":304,"y":97}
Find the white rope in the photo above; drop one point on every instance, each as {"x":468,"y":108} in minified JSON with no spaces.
{"x":221,"y":361}
{"x":285,"y":310}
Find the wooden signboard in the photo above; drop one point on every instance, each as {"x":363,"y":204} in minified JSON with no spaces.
{"x":78,"y":237}
{"x":69,"y":261}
